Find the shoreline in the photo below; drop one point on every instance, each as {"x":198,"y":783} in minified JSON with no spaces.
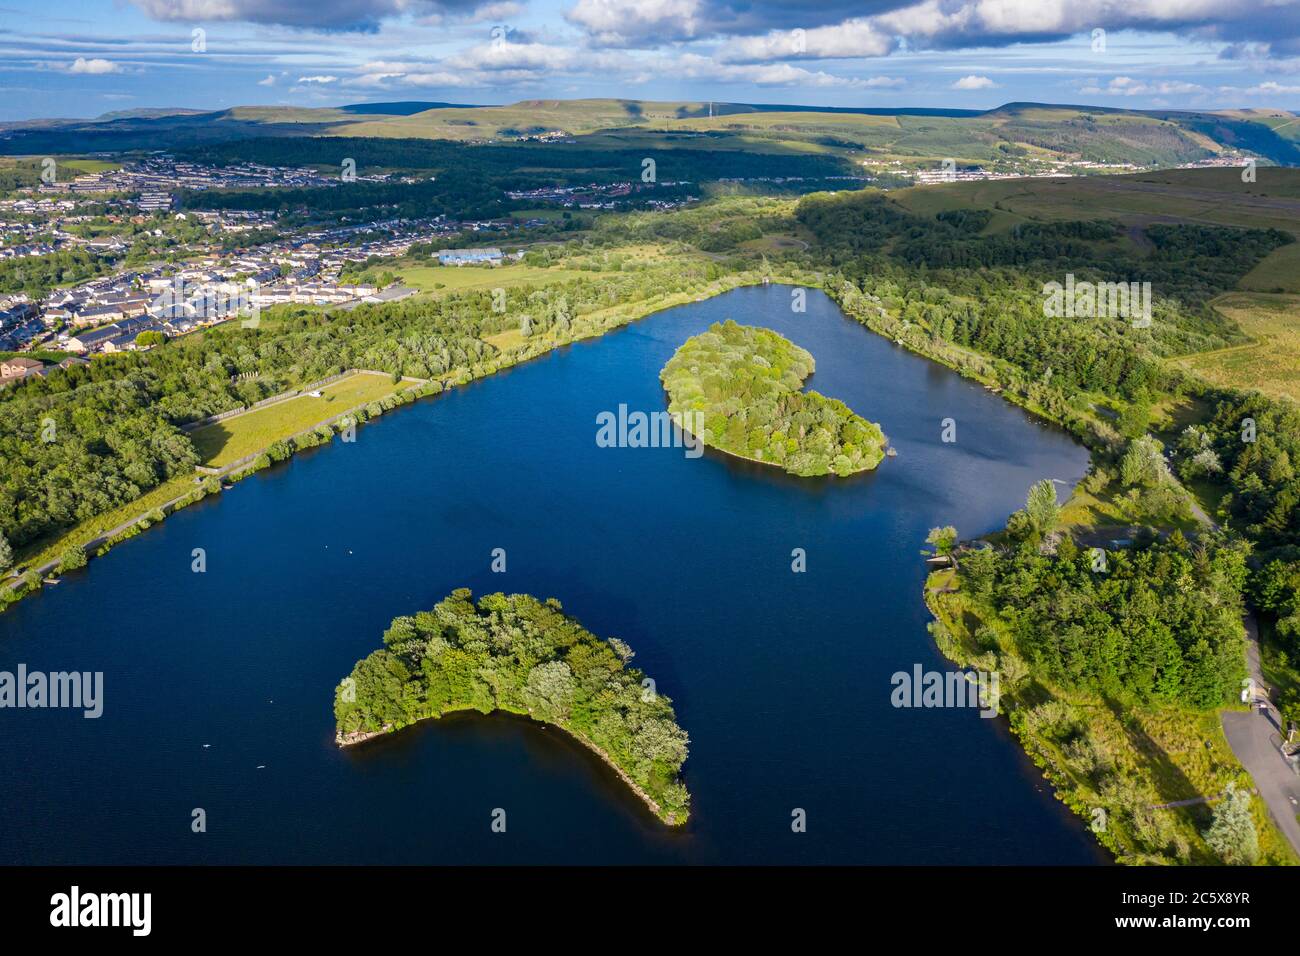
{"x":97,"y":545}
{"x":677,"y":416}
{"x":357,"y":737}
{"x":775,"y":464}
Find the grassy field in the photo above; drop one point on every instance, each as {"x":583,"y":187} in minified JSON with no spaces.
{"x":433,"y":278}
{"x":1271,"y":363}
{"x":774,"y":243}
{"x":550,"y":214}
{"x":1210,"y":196}
{"x":227,"y":441}
{"x":507,"y":340}
{"x":89,"y":165}
{"x":1279,"y":272}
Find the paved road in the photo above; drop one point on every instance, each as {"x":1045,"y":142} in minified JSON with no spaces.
{"x":1251,"y":737}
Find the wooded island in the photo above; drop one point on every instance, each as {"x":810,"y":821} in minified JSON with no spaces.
{"x":746,"y":383}
{"x":524,"y":656}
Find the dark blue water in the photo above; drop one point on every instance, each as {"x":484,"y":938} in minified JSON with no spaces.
{"x":781,"y":679}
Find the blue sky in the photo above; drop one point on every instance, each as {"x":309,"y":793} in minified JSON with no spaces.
{"x":87,"y":57}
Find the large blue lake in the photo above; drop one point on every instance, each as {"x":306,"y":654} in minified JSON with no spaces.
{"x":782,"y":679}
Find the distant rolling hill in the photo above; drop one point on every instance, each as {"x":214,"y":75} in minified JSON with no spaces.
{"x":404,"y":108}
{"x":874,"y":135}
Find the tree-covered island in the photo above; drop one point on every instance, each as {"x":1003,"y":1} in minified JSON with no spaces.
{"x":747,"y":384}
{"x":517,"y":654}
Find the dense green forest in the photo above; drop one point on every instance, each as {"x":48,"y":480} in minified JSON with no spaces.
{"x":1251,"y":446}
{"x":23,"y":174}
{"x":1254,"y":445}
{"x":985,"y":292}
{"x":517,"y":654}
{"x":1158,"y":623}
{"x":746,"y":383}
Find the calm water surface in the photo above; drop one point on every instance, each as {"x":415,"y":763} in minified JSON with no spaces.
{"x":781,"y":679}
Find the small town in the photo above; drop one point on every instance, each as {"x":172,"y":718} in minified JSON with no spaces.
{"x":211,"y":276}
{"x":135,"y":308}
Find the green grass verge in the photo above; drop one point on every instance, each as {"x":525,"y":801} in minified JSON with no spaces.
{"x":227,"y":441}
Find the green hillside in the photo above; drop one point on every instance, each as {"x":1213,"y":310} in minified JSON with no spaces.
{"x":1009,"y":137}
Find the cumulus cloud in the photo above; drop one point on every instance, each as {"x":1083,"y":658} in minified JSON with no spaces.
{"x":495,"y":12}
{"x":306,"y":14}
{"x":93,"y":65}
{"x":630,"y":22}
{"x":696,"y":67}
{"x":320,"y":79}
{"x":973,"y":82}
{"x":1128,"y":86}
{"x":416,"y":77}
{"x":513,"y":56}
{"x":850,"y":39}
{"x":1267,"y":88}
{"x":760,"y":30}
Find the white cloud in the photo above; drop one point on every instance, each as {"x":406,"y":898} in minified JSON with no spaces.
{"x":513,"y":56}
{"x":269,"y":81}
{"x":629,"y":22}
{"x":850,"y":39}
{"x":322,"y":79}
{"x":496,"y":12}
{"x":1127,"y":86}
{"x":382,"y":79}
{"x":363,"y":15}
{"x":94,"y":65}
{"x":696,"y":67}
{"x":968,"y":24}
{"x":1267,"y":88}
{"x":974,"y":82}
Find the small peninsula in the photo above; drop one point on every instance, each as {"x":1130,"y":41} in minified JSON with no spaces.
{"x":745,"y":383}
{"x":517,"y":654}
